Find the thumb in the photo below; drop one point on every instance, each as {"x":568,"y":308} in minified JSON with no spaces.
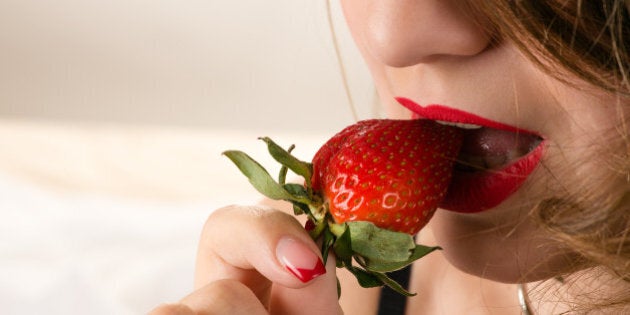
{"x":319,"y":297}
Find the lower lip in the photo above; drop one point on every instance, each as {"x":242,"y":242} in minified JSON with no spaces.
{"x":472,"y":192}
{"x":479,"y":191}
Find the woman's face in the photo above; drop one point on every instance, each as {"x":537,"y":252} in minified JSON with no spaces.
{"x":541,"y":139}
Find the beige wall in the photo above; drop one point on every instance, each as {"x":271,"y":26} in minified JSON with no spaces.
{"x":211,"y":63}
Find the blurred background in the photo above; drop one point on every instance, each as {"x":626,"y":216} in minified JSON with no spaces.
{"x":113,"y":117}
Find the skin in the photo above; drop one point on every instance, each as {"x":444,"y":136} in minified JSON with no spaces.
{"x":431,"y":52}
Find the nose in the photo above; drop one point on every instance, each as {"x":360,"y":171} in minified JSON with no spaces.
{"x":406,"y":32}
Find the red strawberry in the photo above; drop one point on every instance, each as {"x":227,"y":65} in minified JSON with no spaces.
{"x":332,"y":146}
{"x":389,"y":172}
{"x":368,"y":188}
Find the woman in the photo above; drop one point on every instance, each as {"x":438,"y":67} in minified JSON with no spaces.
{"x":556,"y":73}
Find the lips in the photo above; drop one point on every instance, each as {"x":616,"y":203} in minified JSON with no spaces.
{"x":494,"y":162}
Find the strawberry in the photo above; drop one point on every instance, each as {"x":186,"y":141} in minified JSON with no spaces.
{"x":391,"y":173}
{"x":332,"y":146}
{"x":368,"y":190}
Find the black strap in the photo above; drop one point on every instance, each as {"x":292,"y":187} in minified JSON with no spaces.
{"x":391,"y":302}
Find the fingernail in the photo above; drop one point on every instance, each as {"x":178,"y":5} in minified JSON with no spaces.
{"x":299,"y":259}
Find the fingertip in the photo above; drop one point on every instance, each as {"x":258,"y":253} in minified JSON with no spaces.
{"x":250,"y":243}
{"x":299,"y":259}
{"x":321,"y":295}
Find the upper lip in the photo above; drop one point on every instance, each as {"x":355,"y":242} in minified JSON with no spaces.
{"x":444,"y":113}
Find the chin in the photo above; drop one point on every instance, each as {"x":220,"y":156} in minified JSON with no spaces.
{"x":509,"y":252}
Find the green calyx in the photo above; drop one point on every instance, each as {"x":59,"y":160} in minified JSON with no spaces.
{"x":369,"y":252}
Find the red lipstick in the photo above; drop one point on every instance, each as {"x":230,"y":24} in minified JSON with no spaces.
{"x":440,"y":112}
{"x":481,"y":190}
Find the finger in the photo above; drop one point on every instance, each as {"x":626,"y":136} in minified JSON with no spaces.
{"x":257,"y":246}
{"x":319,"y":297}
{"x":219,"y":297}
{"x":172,"y":309}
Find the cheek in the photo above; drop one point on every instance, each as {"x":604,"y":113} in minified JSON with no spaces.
{"x":355,"y":13}
{"x":587,"y":161}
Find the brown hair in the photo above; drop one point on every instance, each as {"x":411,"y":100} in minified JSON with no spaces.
{"x":587,"y":38}
{"x":590,"y":40}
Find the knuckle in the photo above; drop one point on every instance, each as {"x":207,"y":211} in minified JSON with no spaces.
{"x":230,"y":289}
{"x":231,"y":211}
{"x":222,"y":217}
{"x":252,"y":215}
{"x":224,"y":296}
{"x":172,"y":309}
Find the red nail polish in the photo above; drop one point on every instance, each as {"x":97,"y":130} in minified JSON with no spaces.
{"x":299,"y":259}
{"x":306,"y":275}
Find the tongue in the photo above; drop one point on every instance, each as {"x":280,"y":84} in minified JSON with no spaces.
{"x":488,"y":143}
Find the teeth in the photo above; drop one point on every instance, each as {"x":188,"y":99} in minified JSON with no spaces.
{"x":458,"y":125}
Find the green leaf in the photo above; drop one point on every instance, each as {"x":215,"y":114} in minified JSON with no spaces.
{"x":385,"y":266}
{"x":300,"y":199}
{"x":298,"y":208}
{"x":343,"y":247}
{"x":285,"y":158}
{"x":282,"y":176}
{"x":366,"y":279}
{"x":327,"y":242}
{"x":376,"y":244}
{"x":258,"y":176}
{"x":392,"y":284}
{"x":296,"y":190}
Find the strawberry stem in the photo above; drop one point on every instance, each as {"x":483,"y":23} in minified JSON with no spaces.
{"x":337,"y":229}
{"x":316,"y":232}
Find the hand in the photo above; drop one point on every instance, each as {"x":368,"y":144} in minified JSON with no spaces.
{"x":255,"y":260}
